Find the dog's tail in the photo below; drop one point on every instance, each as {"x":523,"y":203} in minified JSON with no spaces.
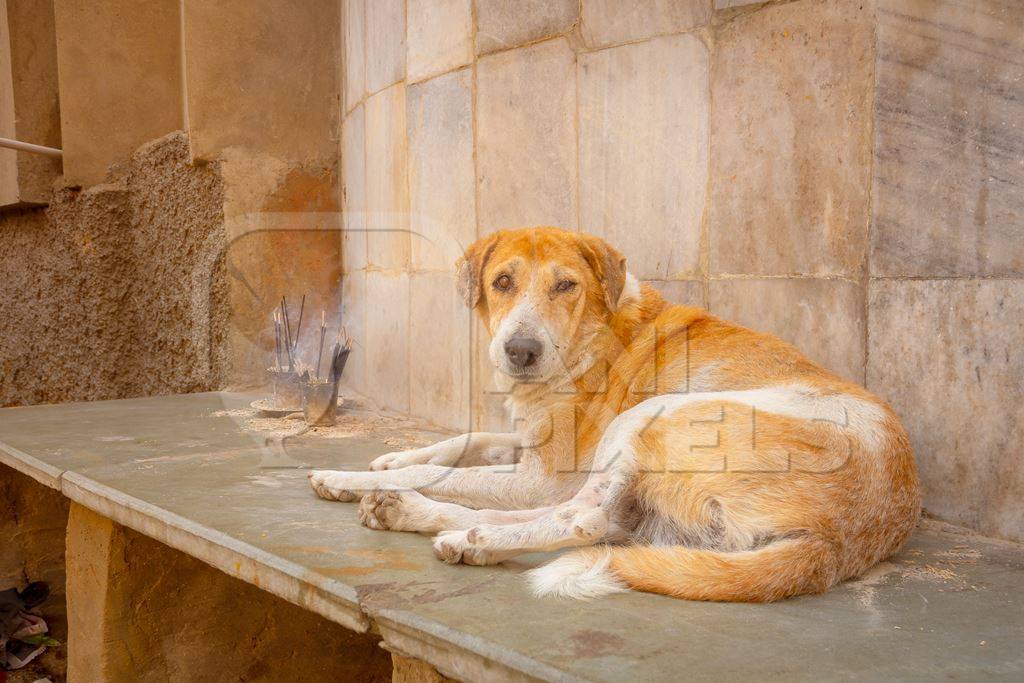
{"x":778,"y":570}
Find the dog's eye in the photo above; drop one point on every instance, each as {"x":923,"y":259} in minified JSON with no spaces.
{"x":564,"y":285}
{"x":503,"y":283}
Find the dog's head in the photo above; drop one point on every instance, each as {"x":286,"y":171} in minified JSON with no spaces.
{"x":544,"y":294}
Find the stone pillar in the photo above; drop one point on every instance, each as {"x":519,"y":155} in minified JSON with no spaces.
{"x":95,"y":549}
{"x":28,"y":100}
{"x":410,"y":670}
{"x":120,"y":80}
{"x":138,"y":610}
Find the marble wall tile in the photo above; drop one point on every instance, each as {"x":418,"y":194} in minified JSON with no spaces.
{"x":385,"y":43}
{"x":790,"y":129}
{"x":387,"y":339}
{"x":503,"y":24}
{"x":439,"y":361}
{"x":442,"y":184}
{"x":387,"y":186}
{"x":526,"y":137}
{"x":439,"y":37}
{"x":946,"y":354}
{"x":606,"y":22}
{"x":644,"y":151}
{"x":353,"y":179}
{"x":949,"y":139}
{"x":822,"y":318}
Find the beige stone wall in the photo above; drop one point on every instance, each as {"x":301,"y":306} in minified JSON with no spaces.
{"x":835,"y":172}
{"x":666,"y":127}
{"x":946,"y":293}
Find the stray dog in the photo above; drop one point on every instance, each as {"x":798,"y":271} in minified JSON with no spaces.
{"x":699,"y":459}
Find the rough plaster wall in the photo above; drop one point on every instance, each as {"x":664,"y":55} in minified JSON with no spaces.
{"x":117,"y":291}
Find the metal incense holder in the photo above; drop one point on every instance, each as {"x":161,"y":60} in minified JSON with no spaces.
{"x":320,"y":403}
{"x":320,"y":397}
{"x":286,"y":388}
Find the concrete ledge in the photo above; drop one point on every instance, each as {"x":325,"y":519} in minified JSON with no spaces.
{"x":43,"y":472}
{"x":242,"y":561}
{"x":194,"y":473}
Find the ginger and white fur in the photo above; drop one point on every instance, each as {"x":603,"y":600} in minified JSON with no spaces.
{"x":682,"y":454}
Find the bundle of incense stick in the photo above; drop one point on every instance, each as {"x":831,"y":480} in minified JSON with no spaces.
{"x":277,"y":342}
{"x":287,"y":335}
{"x":320,"y":352}
{"x":290,"y":343}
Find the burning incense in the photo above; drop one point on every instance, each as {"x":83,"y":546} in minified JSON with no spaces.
{"x":287,"y":334}
{"x":277,"y":341}
{"x":298,"y":328}
{"x":323,"y":330}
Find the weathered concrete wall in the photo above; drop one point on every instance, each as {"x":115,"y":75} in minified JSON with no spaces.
{"x":119,"y":290}
{"x":839,"y":173}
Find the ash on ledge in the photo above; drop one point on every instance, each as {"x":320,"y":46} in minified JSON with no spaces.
{"x":307,"y":385}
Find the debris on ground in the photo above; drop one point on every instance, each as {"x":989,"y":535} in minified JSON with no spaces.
{"x":24,"y":634}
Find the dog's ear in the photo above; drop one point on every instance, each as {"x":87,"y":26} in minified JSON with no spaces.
{"x":469,"y":269}
{"x":608,"y":265}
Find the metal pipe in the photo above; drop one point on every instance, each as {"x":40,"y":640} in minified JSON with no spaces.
{"x":29,"y":147}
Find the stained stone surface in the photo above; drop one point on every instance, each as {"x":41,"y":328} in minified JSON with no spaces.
{"x":355,"y":51}
{"x":385,"y":43}
{"x":526,"y":137}
{"x":644,"y":151}
{"x":823,"y":318}
{"x":387,"y":338}
{"x":353,"y":160}
{"x":685,"y":292}
{"x":442,"y":188}
{"x":186,"y":470}
{"x":790,"y":129}
{"x":440,"y":37}
{"x":439,"y":324}
{"x":387,"y":186}
{"x":606,"y":22}
{"x":949,"y":139}
{"x":947,"y":354}
{"x":502,"y":24}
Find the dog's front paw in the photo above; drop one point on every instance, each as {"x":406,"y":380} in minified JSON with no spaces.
{"x":394,"y":510}
{"x":450,"y":546}
{"x":455,"y":547}
{"x":331,"y":485}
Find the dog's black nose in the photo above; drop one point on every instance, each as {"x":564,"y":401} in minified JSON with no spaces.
{"x":522,"y":351}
